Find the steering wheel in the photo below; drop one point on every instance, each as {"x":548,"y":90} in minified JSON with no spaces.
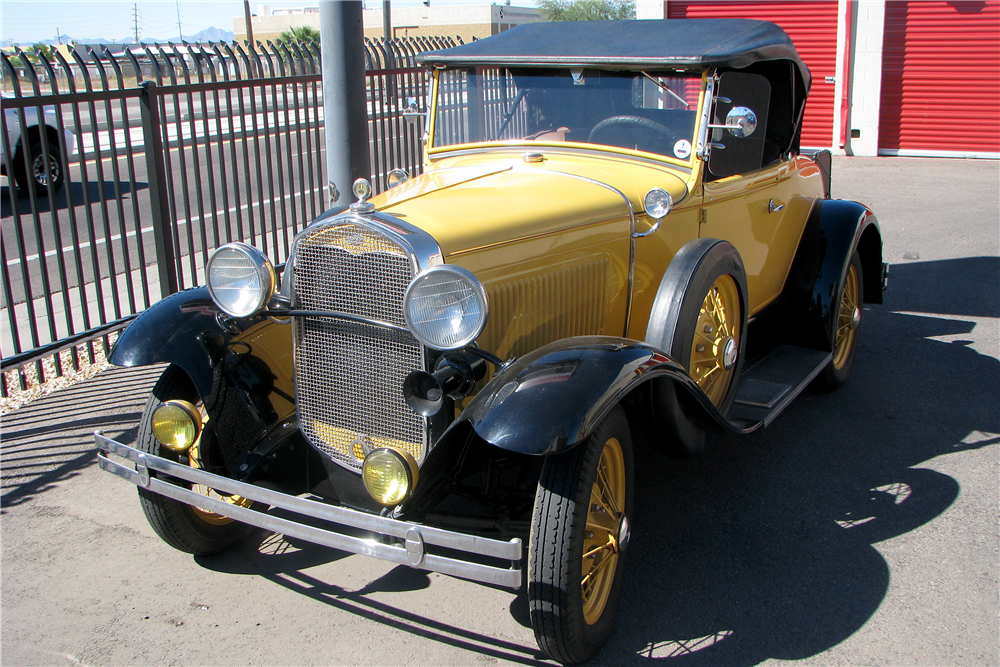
{"x":633,"y":132}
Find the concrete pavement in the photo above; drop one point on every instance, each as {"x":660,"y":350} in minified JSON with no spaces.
{"x":860,"y":528}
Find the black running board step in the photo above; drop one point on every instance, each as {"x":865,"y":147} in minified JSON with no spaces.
{"x":767,"y":387}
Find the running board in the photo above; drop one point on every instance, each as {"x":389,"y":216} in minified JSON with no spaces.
{"x":767,"y":387}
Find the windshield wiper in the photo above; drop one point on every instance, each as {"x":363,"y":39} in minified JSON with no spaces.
{"x":665,"y":87}
{"x":510,"y":114}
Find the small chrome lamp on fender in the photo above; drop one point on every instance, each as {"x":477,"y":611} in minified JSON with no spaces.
{"x":241,"y":279}
{"x":657,"y":204}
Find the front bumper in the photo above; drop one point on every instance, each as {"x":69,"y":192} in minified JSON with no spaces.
{"x":392,"y":540}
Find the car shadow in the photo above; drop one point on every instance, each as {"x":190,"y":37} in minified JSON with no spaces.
{"x":79,"y":193}
{"x":284,"y":561}
{"x":762,"y":548}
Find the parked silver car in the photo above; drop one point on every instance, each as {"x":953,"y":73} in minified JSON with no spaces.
{"x":45,"y":162}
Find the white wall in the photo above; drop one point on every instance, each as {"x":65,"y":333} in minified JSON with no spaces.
{"x":865,"y":77}
{"x":650,"y":9}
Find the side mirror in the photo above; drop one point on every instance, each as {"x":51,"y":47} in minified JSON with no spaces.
{"x":741,"y":122}
{"x":411,"y":113}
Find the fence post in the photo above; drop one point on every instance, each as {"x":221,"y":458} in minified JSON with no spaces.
{"x":166,"y":263}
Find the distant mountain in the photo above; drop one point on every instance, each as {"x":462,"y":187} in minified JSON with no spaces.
{"x":211,"y":35}
{"x":207,"y":35}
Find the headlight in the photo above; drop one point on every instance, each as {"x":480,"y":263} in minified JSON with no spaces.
{"x":389,"y":475}
{"x":240,"y":279}
{"x":445,"y":307}
{"x":176,"y":424}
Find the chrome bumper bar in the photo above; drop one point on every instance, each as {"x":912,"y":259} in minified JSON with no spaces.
{"x":410,"y":550}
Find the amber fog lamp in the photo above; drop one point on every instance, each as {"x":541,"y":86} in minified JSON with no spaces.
{"x":176,"y":424}
{"x":240,"y":279}
{"x":389,"y":475}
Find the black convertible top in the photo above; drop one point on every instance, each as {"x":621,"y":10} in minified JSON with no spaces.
{"x":646,"y":44}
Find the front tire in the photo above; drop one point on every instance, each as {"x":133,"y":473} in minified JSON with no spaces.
{"x":184,"y":527}
{"x":579,"y":534}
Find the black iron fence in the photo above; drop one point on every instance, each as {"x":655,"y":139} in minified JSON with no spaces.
{"x":124,"y":170}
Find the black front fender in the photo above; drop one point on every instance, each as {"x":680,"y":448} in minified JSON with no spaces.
{"x":182,"y":329}
{"x":550,"y":400}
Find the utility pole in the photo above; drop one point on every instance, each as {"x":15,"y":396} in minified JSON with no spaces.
{"x":180,"y":33}
{"x":135,"y":21}
{"x":246,"y":11}
{"x":390,"y":61}
{"x":344,"y":104}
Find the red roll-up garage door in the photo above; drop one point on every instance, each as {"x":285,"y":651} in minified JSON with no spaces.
{"x":941,"y":78}
{"x":813,"y":28}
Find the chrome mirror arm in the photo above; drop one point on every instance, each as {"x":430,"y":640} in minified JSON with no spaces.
{"x":703,"y":147}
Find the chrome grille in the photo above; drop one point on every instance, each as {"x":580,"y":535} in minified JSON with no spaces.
{"x":349,"y":375}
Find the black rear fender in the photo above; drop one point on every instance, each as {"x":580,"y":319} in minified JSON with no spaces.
{"x":835,"y":229}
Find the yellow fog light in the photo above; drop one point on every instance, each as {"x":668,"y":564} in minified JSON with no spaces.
{"x":176,"y":424}
{"x":389,"y":475}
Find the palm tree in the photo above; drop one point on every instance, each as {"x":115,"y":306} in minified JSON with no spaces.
{"x":301,"y":33}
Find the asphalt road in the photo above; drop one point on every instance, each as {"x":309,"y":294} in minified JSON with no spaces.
{"x":861,"y":528}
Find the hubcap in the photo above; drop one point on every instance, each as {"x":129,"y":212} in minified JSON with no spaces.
{"x":717,"y":339}
{"x":848,"y":320}
{"x":38,"y":170}
{"x":729,"y":354}
{"x":607,"y":531}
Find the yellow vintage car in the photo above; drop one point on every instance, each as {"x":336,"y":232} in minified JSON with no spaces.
{"x":615,"y":238}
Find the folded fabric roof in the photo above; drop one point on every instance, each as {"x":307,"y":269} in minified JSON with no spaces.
{"x":646,"y":44}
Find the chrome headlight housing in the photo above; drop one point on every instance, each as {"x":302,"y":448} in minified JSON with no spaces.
{"x":445,"y":307}
{"x":240,"y":279}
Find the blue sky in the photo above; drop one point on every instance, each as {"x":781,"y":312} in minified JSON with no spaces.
{"x":35,"y":20}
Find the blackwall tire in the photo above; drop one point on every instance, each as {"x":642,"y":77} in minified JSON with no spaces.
{"x":582,"y":509}
{"x":182,"y":526}
{"x":36,"y":176}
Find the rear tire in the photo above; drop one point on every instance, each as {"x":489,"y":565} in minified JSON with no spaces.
{"x":579,"y":533}
{"x":845,"y":345}
{"x":182,"y":526}
{"x":36,"y":177}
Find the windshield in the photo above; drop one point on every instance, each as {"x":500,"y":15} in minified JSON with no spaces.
{"x":652,"y":112}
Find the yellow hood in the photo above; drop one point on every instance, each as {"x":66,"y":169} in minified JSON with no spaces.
{"x":466,"y":205}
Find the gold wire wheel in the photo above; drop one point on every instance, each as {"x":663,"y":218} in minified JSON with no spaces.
{"x":848,"y":319}
{"x":194,"y":460}
{"x":605,"y":516}
{"x":716,"y":339}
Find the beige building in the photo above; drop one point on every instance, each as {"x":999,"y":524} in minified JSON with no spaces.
{"x":466,"y":21}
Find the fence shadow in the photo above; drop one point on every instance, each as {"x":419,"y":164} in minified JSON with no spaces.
{"x":77,"y":192}
{"x":52,"y":439}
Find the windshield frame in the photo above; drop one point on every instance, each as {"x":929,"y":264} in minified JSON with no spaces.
{"x":687,"y":158}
